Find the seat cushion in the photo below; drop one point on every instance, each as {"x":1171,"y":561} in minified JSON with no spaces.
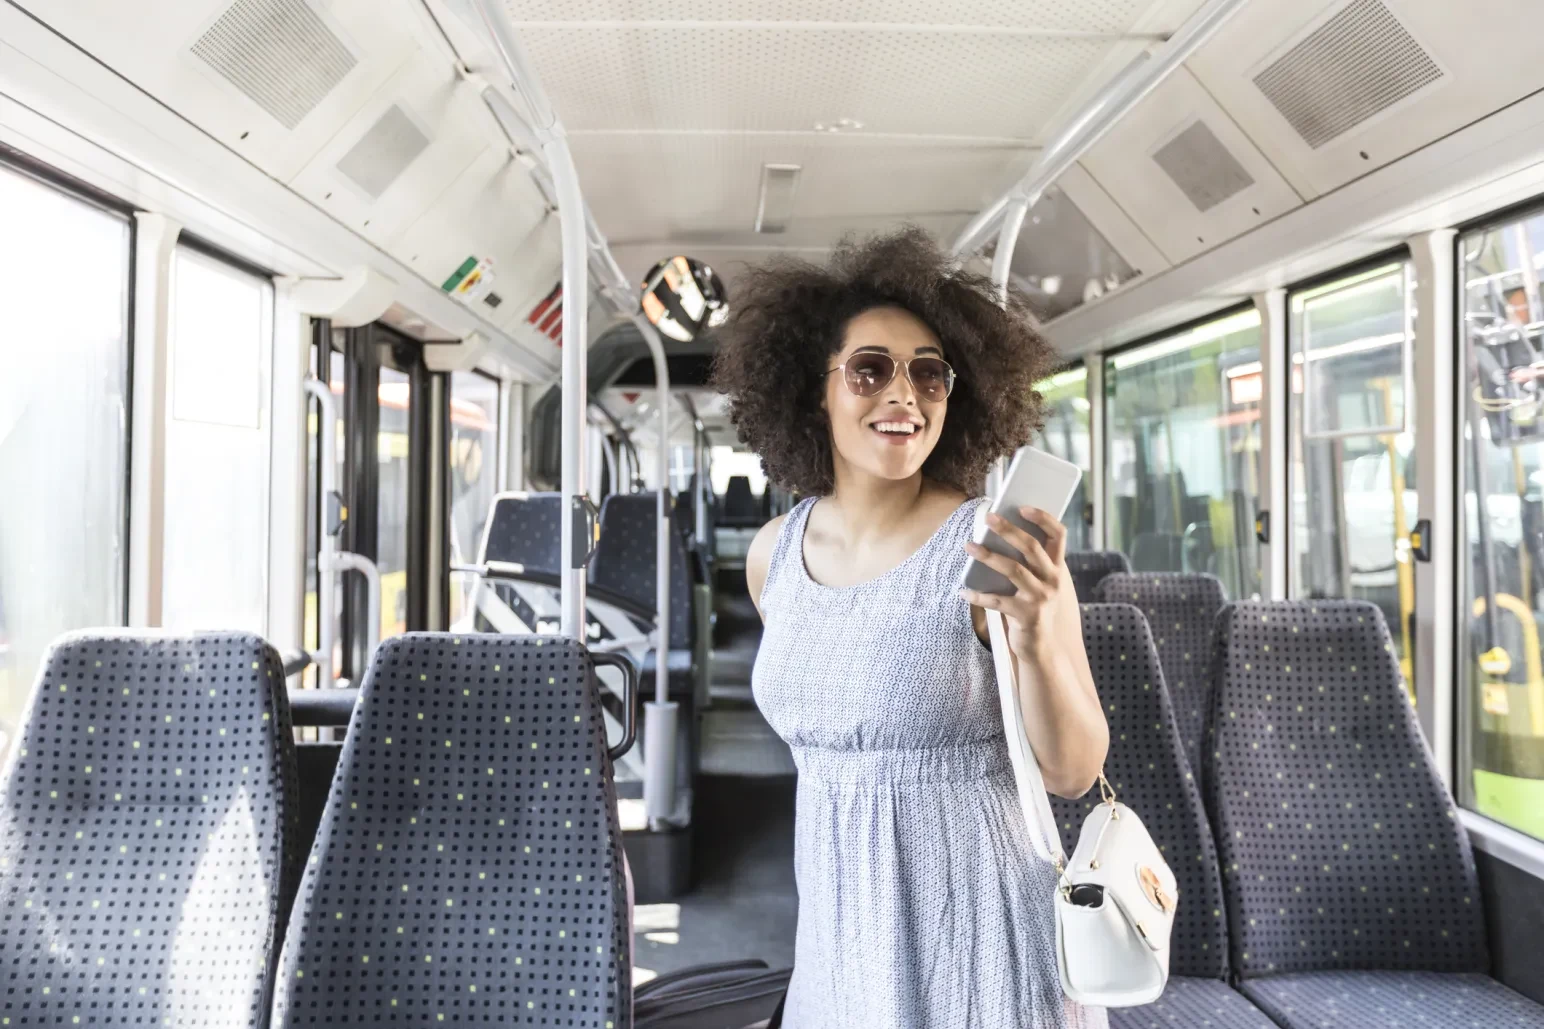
{"x":1393,"y":1000}
{"x":1190,"y":1003}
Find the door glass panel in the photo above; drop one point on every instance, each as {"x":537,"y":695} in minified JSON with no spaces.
{"x":64,"y":289}
{"x":474,"y":462}
{"x":1066,"y":435}
{"x":1501,"y":698}
{"x":217,"y":445}
{"x":1352,"y":440}
{"x":396,"y":397}
{"x":1183,"y":466}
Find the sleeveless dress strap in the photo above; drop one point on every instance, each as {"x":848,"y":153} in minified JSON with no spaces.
{"x":790,"y":538}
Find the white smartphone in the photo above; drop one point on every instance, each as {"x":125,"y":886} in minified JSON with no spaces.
{"x":1034,"y":479}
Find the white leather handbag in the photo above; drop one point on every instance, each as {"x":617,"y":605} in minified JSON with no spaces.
{"x":1115,"y":898}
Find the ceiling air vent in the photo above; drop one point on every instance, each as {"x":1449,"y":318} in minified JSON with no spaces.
{"x":779,"y":183}
{"x":1204,"y":169}
{"x":1358,"y":63}
{"x":279,"y":53}
{"x":384,"y":152}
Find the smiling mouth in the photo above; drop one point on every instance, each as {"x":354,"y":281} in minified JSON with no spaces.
{"x":897,"y":431}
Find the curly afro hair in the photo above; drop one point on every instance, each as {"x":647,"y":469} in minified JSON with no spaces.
{"x":789,"y":317}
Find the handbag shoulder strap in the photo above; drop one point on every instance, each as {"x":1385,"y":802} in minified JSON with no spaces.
{"x":1039,"y":819}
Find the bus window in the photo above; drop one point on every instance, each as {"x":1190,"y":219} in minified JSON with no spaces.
{"x":1183,"y":470}
{"x":1066,"y":435}
{"x":1501,"y":703}
{"x":217,"y":434}
{"x":1352,"y":435}
{"x":63,"y":456}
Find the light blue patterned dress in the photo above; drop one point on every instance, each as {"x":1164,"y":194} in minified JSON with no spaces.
{"x":921,"y":904}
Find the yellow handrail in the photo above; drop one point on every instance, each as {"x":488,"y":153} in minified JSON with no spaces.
{"x":1533,"y":665}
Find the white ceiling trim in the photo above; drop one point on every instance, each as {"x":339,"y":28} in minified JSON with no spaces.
{"x":912,"y":28}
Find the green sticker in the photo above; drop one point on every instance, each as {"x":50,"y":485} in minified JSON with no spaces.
{"x":459,"y":274}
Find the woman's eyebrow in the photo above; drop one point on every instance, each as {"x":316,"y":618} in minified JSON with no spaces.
{"x":875,"y":349}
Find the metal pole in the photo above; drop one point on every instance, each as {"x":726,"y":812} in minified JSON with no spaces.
{"x":548,"y":131}
{"x":660,"y":716}
{"x":1112,"y":103}
{"x":327,"y":542}
{"x":1002,"y":262}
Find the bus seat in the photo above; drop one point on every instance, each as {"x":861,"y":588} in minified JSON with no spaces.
{"x":1089,"y":567}
{"x":1351,"y":886}
{"x":741,"y":508}
{"x":1182,"y":611}
{"x":1147,"y":768}
{"x":470,"y":861}
{"x":147,"y":833}
{"x":526,"y":529}
{"x":624,"y":564}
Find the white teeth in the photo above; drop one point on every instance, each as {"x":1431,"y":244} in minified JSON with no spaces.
{"x":901,"y":428}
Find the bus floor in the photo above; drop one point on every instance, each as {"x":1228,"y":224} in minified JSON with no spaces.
{"x":743,"y":904}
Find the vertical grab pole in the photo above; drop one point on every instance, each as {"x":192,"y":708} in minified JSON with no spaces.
{"x":660,"y":715}
{"x":573,"y":224}
{"x":327,"y":542}
{"x":1002,"y":261}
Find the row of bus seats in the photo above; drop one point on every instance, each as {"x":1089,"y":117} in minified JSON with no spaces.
{"x":1324,"y":878}
{"x":520,"y":561}
{"x":468,"y":867}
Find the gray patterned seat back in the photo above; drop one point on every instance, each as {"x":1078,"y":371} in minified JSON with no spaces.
{"x":625,"y":561}
{"x":147,"y":834}
{"x":740,"y":504}
{"x":525,"y":529}
{"x":1182,"y":610}
{"x":1341,"y":849}
{"x":1146,"y":766}
{"x":1089,"y":567}
{"x":469,"y":865}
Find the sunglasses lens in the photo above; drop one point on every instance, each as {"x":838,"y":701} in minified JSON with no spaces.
{"x":867,"y":374}
{"x":932,"y":378}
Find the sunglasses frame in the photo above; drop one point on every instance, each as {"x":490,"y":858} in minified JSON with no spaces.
{"x":898,"y":364}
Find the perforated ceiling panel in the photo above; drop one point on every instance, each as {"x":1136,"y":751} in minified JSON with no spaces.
{"x":1204,"y":170}
{"x":940,"y":106}
{"x":733,"y":78}
{"x":704,"y":187}
{"x":277,"y":52}
{"x":1358,"y":63}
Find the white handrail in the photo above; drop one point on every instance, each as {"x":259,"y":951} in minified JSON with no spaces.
{"x":331,"y":561}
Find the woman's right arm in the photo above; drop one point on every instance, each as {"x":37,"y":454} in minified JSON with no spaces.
{"x":759,"y":558}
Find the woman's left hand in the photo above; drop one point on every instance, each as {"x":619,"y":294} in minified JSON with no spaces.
{"x":1029,"y":612}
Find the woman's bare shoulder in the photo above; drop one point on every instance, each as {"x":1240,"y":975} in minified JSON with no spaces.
{"x":759,"y":557}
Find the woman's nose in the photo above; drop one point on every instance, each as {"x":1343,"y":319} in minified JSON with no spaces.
{"x":899,"y":390}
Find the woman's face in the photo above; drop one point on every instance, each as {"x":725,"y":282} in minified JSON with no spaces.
{"x":891,"y":433}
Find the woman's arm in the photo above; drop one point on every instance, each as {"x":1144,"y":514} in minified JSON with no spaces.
{"x":759,"y":557}
{"x":1062,"y":714}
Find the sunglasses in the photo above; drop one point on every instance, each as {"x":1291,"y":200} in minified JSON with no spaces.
{"x":867,"y":374}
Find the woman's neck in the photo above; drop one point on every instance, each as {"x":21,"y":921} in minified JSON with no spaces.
{"x":869,"y":507}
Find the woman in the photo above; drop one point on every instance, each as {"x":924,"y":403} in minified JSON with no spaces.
{"x":881,"y":389}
